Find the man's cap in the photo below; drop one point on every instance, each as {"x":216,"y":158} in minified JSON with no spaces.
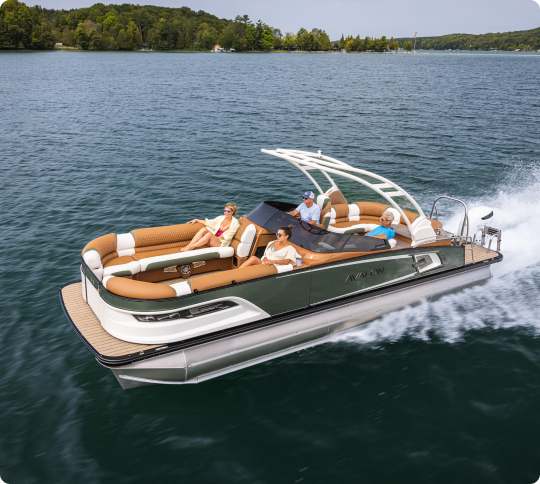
{"x":309,"y":194}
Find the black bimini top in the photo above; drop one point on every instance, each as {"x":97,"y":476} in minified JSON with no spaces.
{"x":273,"y":215}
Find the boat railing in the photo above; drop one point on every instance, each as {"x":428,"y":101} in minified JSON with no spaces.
{"x":465,"y":219}
{"x":488,"y":233}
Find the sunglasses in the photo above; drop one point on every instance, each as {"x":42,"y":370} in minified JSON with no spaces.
{"x":227,"y":211}
{"x":385,"y":220}
{"x":305,"y":198}
{"x":280,"y":235}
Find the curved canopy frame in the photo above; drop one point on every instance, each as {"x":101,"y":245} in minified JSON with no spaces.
{"x":306,"y":161}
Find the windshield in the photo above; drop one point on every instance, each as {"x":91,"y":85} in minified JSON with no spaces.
{"x":272,"y":216}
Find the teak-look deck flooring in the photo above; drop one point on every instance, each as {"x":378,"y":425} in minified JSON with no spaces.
{"x":89,"y":326}
{"x":480,"y":254}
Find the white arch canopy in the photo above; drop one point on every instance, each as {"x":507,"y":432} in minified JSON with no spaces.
{"x":421,"y":229}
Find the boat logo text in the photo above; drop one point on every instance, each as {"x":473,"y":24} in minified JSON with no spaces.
{"x":364,"y":275}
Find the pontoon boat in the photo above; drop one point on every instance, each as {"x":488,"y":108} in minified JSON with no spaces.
{"x":155,"y":315}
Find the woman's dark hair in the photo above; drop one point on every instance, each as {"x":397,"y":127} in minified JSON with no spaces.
{"x":287,"y":230}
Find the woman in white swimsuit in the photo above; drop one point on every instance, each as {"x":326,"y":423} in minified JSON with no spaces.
{"x":278,"y":252}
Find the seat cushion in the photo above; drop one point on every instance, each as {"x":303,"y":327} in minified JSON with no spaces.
{"x":243,"y":239}
{"x":121,"y":266}
{"x":119,"y":261}
{"x":351,"y":228}
{"x":138,"y":289}
{"x":227,"y":277}
{"x":155,"y":253}
{"x":179,"y":258}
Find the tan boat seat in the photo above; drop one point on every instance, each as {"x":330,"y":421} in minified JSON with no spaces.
{"x":226,"y":278}
{"x":145,"y":290}
{"x":121,"y":266}
{"x":179,"y":258}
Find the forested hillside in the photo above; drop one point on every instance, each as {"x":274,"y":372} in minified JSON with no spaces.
{"x":524,"y":39}
{"x":128,"y":27}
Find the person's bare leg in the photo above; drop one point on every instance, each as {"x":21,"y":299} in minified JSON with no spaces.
{"x":208,"y":239}
{"x":252,"y":261}
{"x":194,"y":241}
{"x":214,"y":241}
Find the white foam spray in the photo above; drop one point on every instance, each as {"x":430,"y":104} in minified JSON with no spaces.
{"x":509,"y":299}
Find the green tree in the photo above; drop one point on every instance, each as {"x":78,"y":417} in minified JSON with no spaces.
{"x":153,"y":38}
{"x":228,"y":38}
{"x":82,"y":38}
{"x":110,"y":20}
{"x":95,"y":41}
{"x":290,"y":40}
{"x":391,"y":45}
{"x":251,"y":36}
{"x":18,"y":22}
{"x":324,"y":42}
{"x":408,"y":46}
{"x":350,"y":45}
{"x":259,"y":29}
{"x":368,"y":43}
{"x":341,"y":43}
{"x":380,"y":44}
{"x":180,"y":41}
{"x":208,"y":38}
{"x":267,"y":38}
{"x":244,"y":19}
{"x":301,"y":39}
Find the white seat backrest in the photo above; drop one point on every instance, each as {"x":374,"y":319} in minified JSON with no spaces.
{"x":320,"y":201}
{"x":243,"y":248}
{"x":397,"y":215}
{"x":125,"y":244}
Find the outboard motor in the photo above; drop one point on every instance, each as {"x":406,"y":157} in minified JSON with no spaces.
{"x":479,"y":217}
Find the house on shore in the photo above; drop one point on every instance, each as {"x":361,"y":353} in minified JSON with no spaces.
{"x":335,"y":48}
{"x":145,"y":46}
{"x":58,"y":44}
{"x":217,"y":48}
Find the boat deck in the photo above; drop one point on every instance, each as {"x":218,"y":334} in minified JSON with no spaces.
{"x":478,"y":254}
{"x":89,"y":326}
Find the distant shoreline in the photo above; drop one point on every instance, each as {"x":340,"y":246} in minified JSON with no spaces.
{"x":418,"y":52}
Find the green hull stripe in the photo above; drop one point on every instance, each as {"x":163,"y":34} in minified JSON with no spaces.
{"x":182,"y":260}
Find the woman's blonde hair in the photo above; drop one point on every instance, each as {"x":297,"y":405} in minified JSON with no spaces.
{"x":233,"y":208}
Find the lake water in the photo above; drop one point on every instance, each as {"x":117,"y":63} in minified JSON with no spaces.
{"x":441,"y":392}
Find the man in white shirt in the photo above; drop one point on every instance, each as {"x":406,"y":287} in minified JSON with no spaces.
{"x":309,"y":211}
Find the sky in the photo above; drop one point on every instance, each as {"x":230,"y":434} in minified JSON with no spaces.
{"x":397,"y":18}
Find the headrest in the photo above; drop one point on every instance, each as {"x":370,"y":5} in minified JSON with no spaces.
{"x":244,"y":225}
{"x":322,"y":201}
{"x":337,"y":198}
{"x":397,"y":215}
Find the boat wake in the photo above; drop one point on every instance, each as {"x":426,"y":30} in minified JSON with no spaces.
{"x":505,"y":301}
